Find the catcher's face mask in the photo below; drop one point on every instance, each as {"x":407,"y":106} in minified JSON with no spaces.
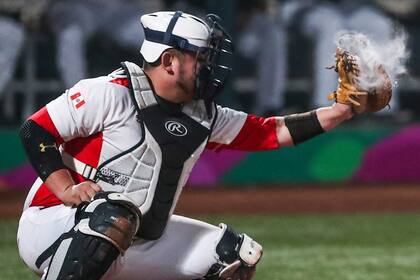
{"x":214,"y":63}
{"x":207,"y":39}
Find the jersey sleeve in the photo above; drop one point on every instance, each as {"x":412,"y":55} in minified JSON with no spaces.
{"x":240,"y":131}
{"x":85,"y":109}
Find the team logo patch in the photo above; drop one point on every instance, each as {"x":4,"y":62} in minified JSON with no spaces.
{"x":176,"y":128}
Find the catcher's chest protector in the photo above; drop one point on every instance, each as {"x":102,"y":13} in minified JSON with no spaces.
{"x":153,"y":172}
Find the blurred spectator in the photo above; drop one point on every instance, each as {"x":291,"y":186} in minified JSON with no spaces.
{"x":264,"y":41}
{"x":322,"y":20}
{"x":194,"y":7}
{"x":15,"y":17}
{"x":408,"y":14}
{"x":12,"y":35}
{"x":75,"y":22}
{"x":402,"y":9}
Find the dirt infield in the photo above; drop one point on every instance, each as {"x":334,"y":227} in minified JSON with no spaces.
{"x":308,"y":199}
{"x":291,"y":200}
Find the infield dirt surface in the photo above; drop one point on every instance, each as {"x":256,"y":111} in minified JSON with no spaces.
{"x":284,"y":199}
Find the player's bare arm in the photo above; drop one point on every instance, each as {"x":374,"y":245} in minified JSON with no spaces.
{"x":328,"y":118}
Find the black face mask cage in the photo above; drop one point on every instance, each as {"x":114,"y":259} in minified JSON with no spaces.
{"x":213,"y":71}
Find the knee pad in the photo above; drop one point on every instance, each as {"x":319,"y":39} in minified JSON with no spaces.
{"x":104,"y":229}
{"x":236,"y":254}
{"x":111,"y":216}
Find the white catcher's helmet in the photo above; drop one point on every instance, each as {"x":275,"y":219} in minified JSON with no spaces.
{"x":185,"y":32}
{"x":163,"y":29}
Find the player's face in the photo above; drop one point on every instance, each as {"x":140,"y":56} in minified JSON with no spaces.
{"x":189,"y":62}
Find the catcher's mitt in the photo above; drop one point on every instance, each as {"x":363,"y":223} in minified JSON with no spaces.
{"x":349,"y":90}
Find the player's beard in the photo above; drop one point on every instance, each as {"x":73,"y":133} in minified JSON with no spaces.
{"x":186,"y":84}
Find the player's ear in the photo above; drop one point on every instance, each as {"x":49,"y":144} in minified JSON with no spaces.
{"x":167,"y":59}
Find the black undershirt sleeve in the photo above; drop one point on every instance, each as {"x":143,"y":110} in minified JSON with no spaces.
{"x":303,"y":126}
{"x":41,"y":149}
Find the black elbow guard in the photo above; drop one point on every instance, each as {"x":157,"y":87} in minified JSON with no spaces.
{"x":41,"y":149}
{"x":303,"y":126}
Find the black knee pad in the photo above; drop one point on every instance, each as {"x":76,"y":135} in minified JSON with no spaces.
{"x":104,"y":229}
{"x":111,"y":216}
{"x":234,"y":252}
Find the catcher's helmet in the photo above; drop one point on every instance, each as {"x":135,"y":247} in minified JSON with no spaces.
{"x":185,"y":32}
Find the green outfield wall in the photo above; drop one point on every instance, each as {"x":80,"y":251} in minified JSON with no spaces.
{"x":351,"y":152}
{"x":12,"y":154}
{"x":333,"y":156}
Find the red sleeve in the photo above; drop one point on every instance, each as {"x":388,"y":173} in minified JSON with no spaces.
{"x":43,"y":119}
{"x":257,"y":134}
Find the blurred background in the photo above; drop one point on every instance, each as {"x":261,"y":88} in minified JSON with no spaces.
{"x":282,"y":51}
{"x":370,"y":164}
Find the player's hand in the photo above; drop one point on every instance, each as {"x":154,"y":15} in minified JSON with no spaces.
{"x":76,"y":194}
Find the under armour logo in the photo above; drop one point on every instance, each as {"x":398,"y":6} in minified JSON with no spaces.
{"x":176,"y":128}
{"x":43,"y":147}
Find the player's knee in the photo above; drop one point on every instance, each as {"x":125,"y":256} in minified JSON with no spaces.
{"x":111,"y":216}
{"x":237,"y":254}
{"x":104,"y":229}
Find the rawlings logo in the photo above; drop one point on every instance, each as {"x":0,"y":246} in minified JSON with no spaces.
{"x":175,"y":128}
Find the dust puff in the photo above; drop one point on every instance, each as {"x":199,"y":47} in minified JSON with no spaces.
{"x":391,"y":54}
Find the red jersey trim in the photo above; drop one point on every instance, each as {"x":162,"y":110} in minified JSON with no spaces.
{"x":257,"y":134}
{"x":42,"y":118}
{"x":120,"y":81}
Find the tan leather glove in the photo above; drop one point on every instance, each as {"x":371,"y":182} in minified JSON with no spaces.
{"x":349,"y":92}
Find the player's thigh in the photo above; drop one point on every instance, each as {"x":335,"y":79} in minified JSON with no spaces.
{"x":39,"y":228}
{"x":186,"y":250}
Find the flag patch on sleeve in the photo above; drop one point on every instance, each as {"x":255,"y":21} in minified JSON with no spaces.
{"x":77,"y":100}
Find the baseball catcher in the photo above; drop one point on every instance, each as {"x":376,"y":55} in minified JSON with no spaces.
{"x":114,"y":152}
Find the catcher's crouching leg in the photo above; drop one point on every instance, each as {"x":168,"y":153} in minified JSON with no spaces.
{"x":237,"y":256}
{"x":104,"y":229}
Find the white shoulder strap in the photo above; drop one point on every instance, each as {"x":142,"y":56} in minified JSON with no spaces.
{"x":143,"y":93}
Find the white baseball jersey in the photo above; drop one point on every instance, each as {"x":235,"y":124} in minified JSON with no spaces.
{"x":95,"y":121}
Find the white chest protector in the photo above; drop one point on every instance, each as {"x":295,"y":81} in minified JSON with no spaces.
{"x":153,"y":172}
